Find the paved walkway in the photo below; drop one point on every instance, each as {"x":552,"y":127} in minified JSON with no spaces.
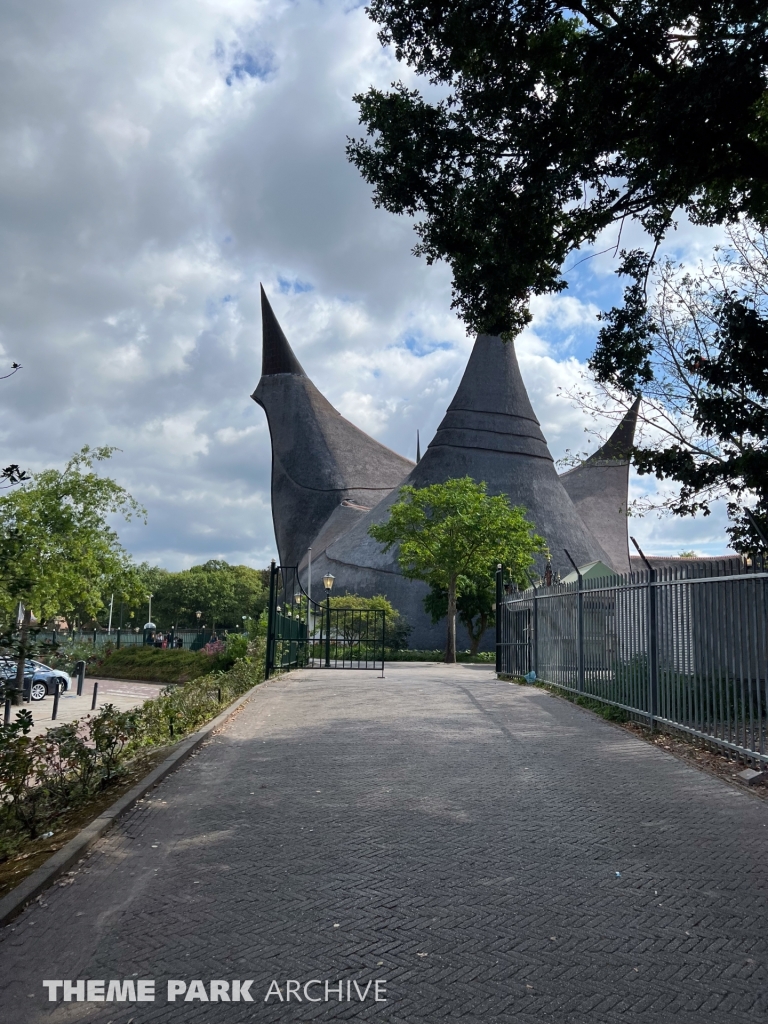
{"x":488,"y":851}
{"x":123,"y":693}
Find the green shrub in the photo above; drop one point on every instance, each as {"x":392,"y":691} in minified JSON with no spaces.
{"x":42,"y":777}
{"x":154,"y":664}
{"x":482,"y":658}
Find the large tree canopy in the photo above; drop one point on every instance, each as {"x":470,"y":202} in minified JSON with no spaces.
{"x":545,"y":122}
{"x":225,"y":595}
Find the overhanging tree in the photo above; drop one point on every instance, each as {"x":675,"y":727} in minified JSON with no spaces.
{"x":449,"y":534}
{"x":545,"y":122}
{"x":698,"y":351}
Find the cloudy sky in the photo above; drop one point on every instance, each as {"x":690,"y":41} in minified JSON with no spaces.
{"x":157,"y":161}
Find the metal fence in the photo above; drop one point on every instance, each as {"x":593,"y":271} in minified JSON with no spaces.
{"x":189,"y":639}
{"x":686,"y":647}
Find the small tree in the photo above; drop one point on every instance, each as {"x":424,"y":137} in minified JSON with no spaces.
{"x":475,"y":607}
{"x":448,"y":534}
{"x":57,"y":549}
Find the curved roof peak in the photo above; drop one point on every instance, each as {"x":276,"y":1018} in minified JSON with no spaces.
{"x":277,"y":356}
{"x":618,"y":447}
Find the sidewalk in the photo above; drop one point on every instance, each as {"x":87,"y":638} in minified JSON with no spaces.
{"x":124,"y":694}
{"x":487,"y":852}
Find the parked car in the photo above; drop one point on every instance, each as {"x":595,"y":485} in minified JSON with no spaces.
{"x":39,"y":680}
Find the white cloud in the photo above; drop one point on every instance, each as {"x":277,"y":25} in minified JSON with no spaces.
{"x":156,"y":162}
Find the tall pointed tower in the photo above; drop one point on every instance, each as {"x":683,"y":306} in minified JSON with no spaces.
{"x":323,"y":467}
{"x":490,"y":433}
{"x":598,"y":488}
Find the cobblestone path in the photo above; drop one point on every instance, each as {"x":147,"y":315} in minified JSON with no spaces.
{"x":486,"y":851}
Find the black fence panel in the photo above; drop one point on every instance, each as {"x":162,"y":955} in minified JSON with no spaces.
{"x":686,"y":646}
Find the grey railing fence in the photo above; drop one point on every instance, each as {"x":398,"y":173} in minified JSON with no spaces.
{"x":684,"y":647}
{"x":190,"y":639}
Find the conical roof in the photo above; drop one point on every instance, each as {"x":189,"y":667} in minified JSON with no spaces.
{"x":490,"y":433}
{"x":618,"y":447}
{"x":320,"y":461}
{"x":277,"y":356}
{"x":599,"y":489}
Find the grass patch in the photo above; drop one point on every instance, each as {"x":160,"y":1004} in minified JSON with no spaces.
{"x":153,"y":664}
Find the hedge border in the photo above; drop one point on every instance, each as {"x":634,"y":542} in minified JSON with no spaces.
{"x":17,"y":899}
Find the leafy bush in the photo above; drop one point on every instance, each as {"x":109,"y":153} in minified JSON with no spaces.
{"x":466,"y":657}
{"x":67,"y":652}
{"x":396,"y":628}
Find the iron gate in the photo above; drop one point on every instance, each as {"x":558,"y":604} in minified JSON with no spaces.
{"x":303,"y":633}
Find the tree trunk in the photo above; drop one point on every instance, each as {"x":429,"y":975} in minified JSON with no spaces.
{"x":450,"y":648}
{"x":476,"y":637}
{"x":25,"y":624}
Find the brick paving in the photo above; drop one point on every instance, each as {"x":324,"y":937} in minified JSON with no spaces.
{"x":494,"y":853}
{"x":123,"y":693}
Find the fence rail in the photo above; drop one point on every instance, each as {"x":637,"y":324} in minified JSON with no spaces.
{"x":686,"y":647}
{"x":189,"y":639}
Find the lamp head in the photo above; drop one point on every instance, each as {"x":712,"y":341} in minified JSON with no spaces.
{"x":328,"y":582}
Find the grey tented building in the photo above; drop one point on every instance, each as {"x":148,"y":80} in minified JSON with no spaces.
{"x":330,"y":480}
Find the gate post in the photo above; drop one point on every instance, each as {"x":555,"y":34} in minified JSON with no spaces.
{"x":269,"y":654}
{"x":499,"y":592}
{"x":653,"y":656}
{"x":579,"y":626}
{"x":535,"y":645}
{"x":328,"y":630}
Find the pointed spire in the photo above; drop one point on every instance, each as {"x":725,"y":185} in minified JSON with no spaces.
{"x":418,"y":449}
{"x":277,"y":356}
{"x":618,"y":447}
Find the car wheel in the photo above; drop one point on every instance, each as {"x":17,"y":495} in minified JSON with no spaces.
{"x":38,"y":691}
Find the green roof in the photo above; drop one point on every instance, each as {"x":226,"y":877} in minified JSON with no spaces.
{"x":590,"y":571}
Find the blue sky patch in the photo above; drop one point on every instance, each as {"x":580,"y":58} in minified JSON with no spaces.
{"x":421,"y":346}
{"x":256,"y":62}
{"x":293,"y":286}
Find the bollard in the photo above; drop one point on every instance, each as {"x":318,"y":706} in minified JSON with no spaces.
{"x":219,"y":691}
{"x":95,"y":694}
{"x":170,"y":726}
{"x":56,"y":703}
{"x":80,"y":670}
{"x":7,"y":715}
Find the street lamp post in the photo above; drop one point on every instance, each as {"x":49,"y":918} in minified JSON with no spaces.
{"x":328,"y":584}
